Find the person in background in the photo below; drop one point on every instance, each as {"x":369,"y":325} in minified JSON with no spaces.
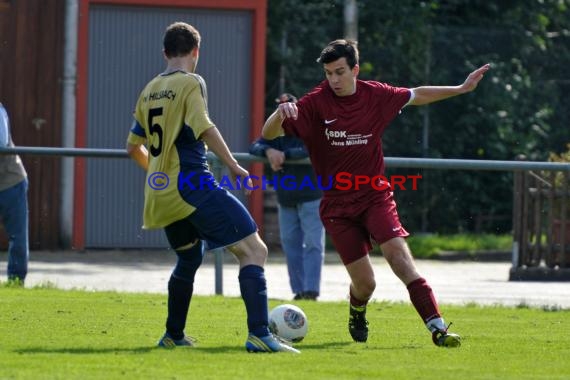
{"x":14,"y":205}
{"x":301,"y":230}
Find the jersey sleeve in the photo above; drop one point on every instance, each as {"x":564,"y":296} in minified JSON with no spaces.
{"x":137,"y":133}
{"x":306,"y":120}
{"x":259,"y":147}
{"x":391,"y":100}
{"x":197,"y":100}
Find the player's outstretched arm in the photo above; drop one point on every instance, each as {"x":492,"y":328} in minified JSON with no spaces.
{"x":273,"y":125}
{"x":430,"y":94}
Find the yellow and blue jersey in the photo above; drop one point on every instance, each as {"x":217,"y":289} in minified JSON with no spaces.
{"x":171,"y":114}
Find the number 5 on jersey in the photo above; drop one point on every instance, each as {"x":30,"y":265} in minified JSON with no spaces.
{"x":155,"y":128}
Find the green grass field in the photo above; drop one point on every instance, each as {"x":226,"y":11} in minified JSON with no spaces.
{"x":54,"y":334}
{"x":426,"y":246}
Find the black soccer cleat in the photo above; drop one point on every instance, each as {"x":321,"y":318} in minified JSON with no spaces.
{"x":358,"y":325}
{"x":442,"y":338}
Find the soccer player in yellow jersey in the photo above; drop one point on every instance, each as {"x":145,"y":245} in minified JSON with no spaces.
{"x":169,"y":137}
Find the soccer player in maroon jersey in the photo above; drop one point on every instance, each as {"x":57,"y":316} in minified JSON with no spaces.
{"x":341,"y":122}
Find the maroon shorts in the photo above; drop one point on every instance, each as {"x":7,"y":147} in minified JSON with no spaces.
{"x":353,"y":221}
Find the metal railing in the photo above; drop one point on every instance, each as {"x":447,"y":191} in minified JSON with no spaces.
{"x":395,"y":162}
{"x":217,"y":167}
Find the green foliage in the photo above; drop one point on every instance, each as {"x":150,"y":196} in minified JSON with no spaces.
{"x":425,"y":246}
{"x":306,"y":25}
{"x":519,"y":108}
{"x":560,"y":157}
{"x":54,"y":334}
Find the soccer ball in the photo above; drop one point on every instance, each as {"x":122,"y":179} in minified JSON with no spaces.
{"x":288,"y":322}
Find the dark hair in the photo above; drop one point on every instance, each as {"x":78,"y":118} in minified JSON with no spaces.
{"x":286,"y":97}
{"x":338,"y":49}
{"x":180,"y":39}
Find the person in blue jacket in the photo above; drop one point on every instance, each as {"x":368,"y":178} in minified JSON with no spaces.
{"x":298,"y":196}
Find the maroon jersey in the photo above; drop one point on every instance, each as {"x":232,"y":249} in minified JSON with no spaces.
{"x":343,"y":135}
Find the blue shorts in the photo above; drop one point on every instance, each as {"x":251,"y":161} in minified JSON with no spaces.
{"x":221,"y":220}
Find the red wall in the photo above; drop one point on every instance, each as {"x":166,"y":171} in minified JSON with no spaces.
{"x":31,"y":69}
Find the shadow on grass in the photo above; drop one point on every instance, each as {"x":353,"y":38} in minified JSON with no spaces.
{"x":212,"y":350}
{"x":239,"y":349}
{"x":84,"y":350}
{"x":135,"y":350}
{"x":322,"y":346}
{"x":220,"y":349}
{"x":367,"y":346}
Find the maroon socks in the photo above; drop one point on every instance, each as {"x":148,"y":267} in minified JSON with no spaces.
{"x":423,"y":299}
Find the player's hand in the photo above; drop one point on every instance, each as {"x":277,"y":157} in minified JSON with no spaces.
{"x":473,"y":79}
{"x":288,"y":110}
{"x":237,"y":171}
{"x":275,"y":158}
